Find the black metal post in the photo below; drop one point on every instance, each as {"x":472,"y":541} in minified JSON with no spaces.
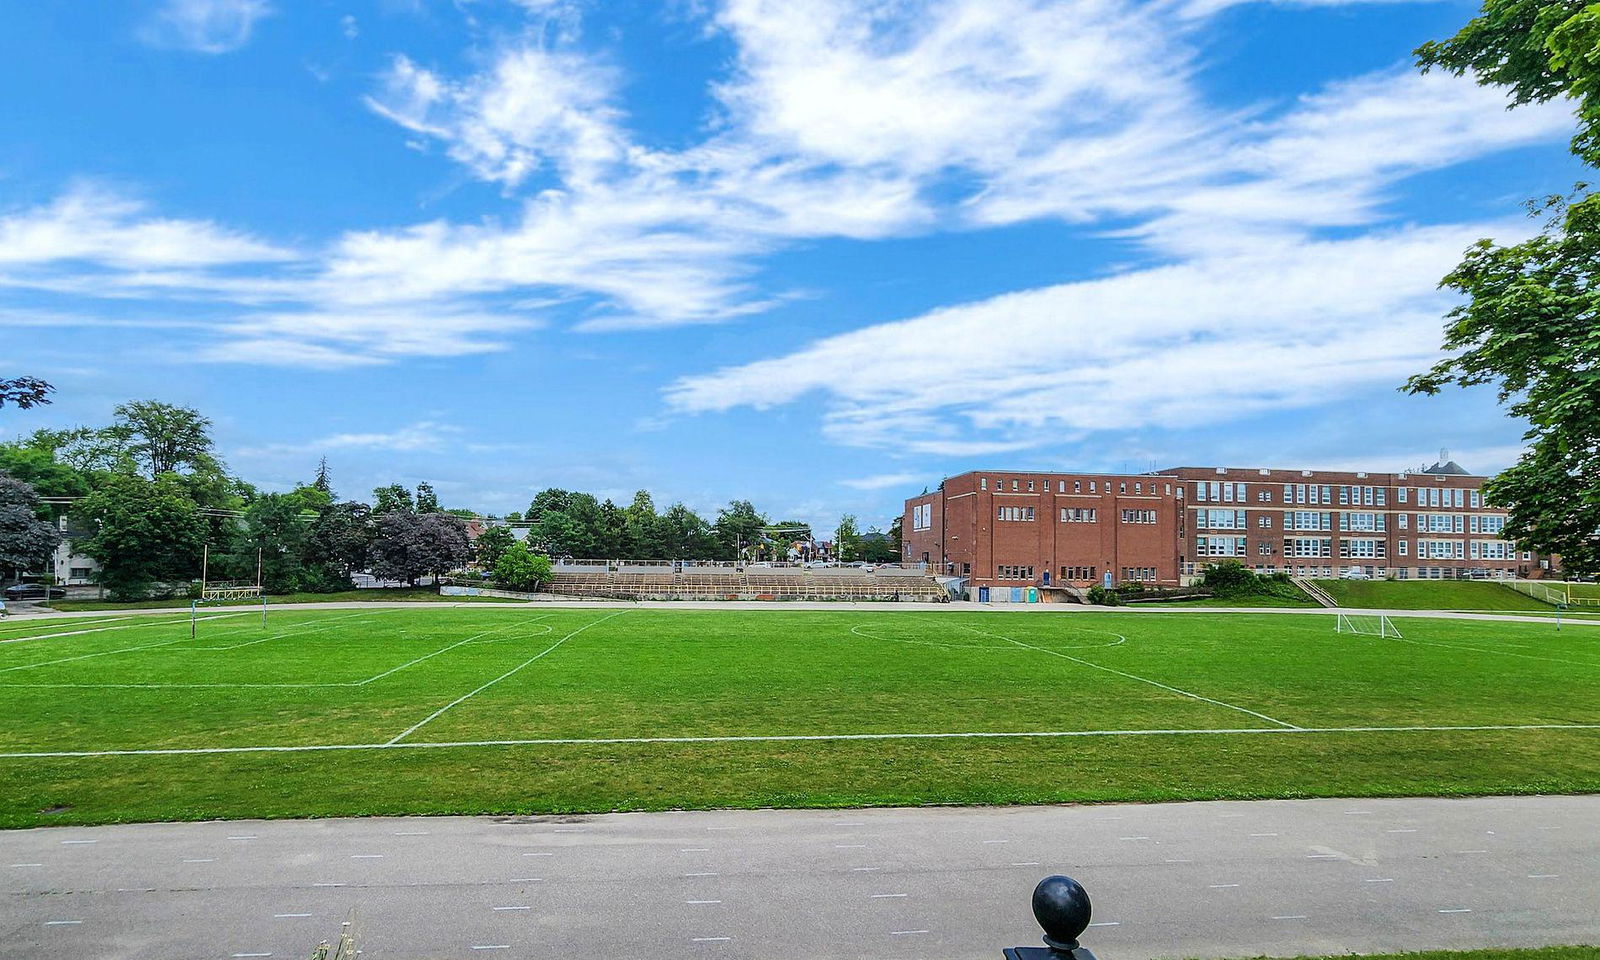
{"x":1061,"y":906}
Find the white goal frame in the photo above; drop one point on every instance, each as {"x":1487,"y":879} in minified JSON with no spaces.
{"x":1376,"y":625}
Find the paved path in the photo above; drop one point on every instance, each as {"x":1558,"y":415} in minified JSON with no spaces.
{"x":753,"y":606}
{"x":1192,"y":879}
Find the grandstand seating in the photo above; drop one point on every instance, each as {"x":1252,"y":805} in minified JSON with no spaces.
{"x":752,"y":584}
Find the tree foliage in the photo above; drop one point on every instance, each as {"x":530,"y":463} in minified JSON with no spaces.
{"x":164,"y":437}
{"x":409,"y":546}
{"x":146,"y":531}
{"x":1530,"y":322}
{"x":26,"y":541}
{"x":25,"y":392}
{"x":491,"y":545}
{"x":521,"y":569}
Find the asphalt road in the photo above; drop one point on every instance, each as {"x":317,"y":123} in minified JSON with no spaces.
{"x":1173,"y":880}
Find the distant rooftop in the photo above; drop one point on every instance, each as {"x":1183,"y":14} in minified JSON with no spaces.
{"x":1449,"y":467}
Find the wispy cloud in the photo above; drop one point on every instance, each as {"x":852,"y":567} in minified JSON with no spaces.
{"x":1183,"y":345}
{"x":882,"y":481}
{"x":424,"y":435}
{"x":204,"y":26}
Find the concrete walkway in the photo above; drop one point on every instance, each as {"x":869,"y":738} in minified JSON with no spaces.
{"x":748,"y":606}
{"x":1227,"y":879}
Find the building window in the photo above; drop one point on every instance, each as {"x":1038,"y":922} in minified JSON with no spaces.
{"x":1015,"y":513}
{"x":1091,"y":486}
{"x":1138,"y":573}
{"x":1078,"y":573}
{"x":922,"y":516}
{"x":1013,"y":572}
{"x":1078,"y":514}
{"x":1077,"y":486}
{"x":1265,"y":520}
{"x":1138,"y":516}
{"x":983,"y":483}
{"x":1122,"y":487}
{"x":1477,"y":498}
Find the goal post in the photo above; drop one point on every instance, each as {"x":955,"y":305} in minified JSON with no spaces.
{"x":224,"y":591}
{"x":1368,"y":625}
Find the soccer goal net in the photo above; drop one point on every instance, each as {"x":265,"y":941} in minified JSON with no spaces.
{"x":1371,"y":625}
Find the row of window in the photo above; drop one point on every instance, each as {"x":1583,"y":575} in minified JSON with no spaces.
{"x":1139,"y":486}
{"x":1319,"y":493}
{"x":1013,"y":572}
{"x":1138,"y":573}
{"x":922,"y":517}
{"x":1079,"y":573}
{"x":1074,"y":515}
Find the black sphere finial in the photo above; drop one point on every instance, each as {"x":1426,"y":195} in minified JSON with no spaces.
{"x":1061,"y":906}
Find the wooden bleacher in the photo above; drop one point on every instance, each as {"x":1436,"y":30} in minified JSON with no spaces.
{"x":752,"y":584}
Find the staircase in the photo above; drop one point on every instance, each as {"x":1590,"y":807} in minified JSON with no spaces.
{"x":1314,"y":592}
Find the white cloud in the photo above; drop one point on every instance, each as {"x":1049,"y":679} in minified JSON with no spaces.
{"x":424,"y":435}
{"x":204,"y":26}
{"x":882,"y":481}
{"x":861,"y":119}
{"x":97,"y":225}
{"x":1200,"y":342}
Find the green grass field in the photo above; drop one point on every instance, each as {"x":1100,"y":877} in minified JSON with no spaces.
{"x":1429,"y":595}
{"x":1491,"y":953}
{"x":492,"y":708}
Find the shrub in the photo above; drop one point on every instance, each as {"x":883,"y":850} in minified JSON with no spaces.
{"x":521,"y":569}
{"x":1100,"y":596}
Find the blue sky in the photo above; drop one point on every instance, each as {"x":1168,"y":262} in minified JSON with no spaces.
{"x":817,"y":253}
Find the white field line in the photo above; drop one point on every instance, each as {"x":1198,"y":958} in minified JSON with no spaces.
{"x":49,"y":623}
{"x":1130,"y":676}
{"x":258,"y":686}
{"x":792,"y":738}
{"x":465,"y":697}
{"x":293,"y":630}
{"x":129,"y":626}
{"x":1503,"y":653}
{"x":107,"y":653}
{"x":380,"y":676}
{"x":857,"y":630}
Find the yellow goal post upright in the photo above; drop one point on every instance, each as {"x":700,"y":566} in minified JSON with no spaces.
{"x":1366,"y":624}
{"x":225,"y":590}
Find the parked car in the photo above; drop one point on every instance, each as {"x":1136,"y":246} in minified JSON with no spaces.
{"x":1355,"y":573}
{"x":33,"y":591}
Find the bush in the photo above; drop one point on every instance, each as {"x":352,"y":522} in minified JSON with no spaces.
{"x":1102,"y":597}
{"x":1230,"y":578}
{"x":520,"y":569}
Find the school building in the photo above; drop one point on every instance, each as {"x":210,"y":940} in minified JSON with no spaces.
{"x":1051,"y":530}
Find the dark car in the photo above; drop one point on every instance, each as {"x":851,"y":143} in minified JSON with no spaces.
{"x":33,"y":591}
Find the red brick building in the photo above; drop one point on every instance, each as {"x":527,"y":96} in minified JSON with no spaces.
{"x":1014,"y":529}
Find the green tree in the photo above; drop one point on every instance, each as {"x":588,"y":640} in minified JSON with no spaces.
{"x":644,"y":536}
{"x":165,"y":438}
{"x":1528,"y":323}
{"x":738,"y":527}
{"x":26,"y":542}
{"x":847,"y":540}
{"x":390,"y":498}
{"x":145,"y":532}
{"x":323,"y":480}
{"x":491,"y":545}
{"x":25,"y":392}
{"x":339,"y":542}
{"x":427,"y":500}
{"x":40,"y":470}
{"x":275,"y":530}
{"x":521,"y":569}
